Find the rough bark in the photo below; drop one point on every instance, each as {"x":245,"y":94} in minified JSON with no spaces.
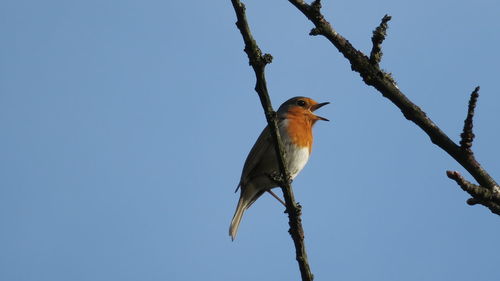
{"x":258,"y":61}
{"x":373,"y":75}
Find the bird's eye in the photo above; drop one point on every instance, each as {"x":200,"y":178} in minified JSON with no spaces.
{"x":301,"y":103}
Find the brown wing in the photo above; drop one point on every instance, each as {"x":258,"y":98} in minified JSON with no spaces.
{"x":254,"y":160}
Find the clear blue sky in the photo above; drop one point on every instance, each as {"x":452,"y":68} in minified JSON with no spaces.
{"x":125,"y":125}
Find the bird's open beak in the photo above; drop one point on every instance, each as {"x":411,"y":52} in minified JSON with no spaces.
{"x":317,"y":106}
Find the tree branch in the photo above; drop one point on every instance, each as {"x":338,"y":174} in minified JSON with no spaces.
{"x":258,"y":63}
{"x":372,"y":75}
{"x":378,"y":37}
{"x":467,"y":134}
{"x":480,"y":195}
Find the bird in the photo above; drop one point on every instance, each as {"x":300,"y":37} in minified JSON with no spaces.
{"x":295,"y":122}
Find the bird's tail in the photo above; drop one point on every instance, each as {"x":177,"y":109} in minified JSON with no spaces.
{"x":238,"y":214}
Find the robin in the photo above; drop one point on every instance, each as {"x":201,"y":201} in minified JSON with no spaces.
{"x":295,"y":122}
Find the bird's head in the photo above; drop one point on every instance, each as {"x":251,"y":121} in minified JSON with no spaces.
{"x":301,"y":106}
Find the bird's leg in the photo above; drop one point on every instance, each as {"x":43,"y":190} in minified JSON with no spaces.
{"x":276,"y":196}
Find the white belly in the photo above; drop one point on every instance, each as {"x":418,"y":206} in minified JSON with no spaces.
{"x":296,"y":156}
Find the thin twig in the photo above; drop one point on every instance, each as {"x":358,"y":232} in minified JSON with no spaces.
{"x":467,"y":134}
{"x":480,"y":195}
{"x":478,"y":192}
{"x":382,"y":81}
{"x":258,"y":63}
{"x":378,"y":37}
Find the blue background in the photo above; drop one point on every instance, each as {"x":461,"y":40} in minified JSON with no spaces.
{"x":125,"y":125}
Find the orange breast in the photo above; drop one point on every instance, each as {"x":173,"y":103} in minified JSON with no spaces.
{"x":300,"y":130}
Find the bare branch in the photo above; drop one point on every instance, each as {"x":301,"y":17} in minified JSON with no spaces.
{"x":480,"y":195}
{"x":467,"y":134}
{"x":378,"y":37}
{"x":258,"y":63}
{"x":477,"y":191}
{"x":373,"y":76}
